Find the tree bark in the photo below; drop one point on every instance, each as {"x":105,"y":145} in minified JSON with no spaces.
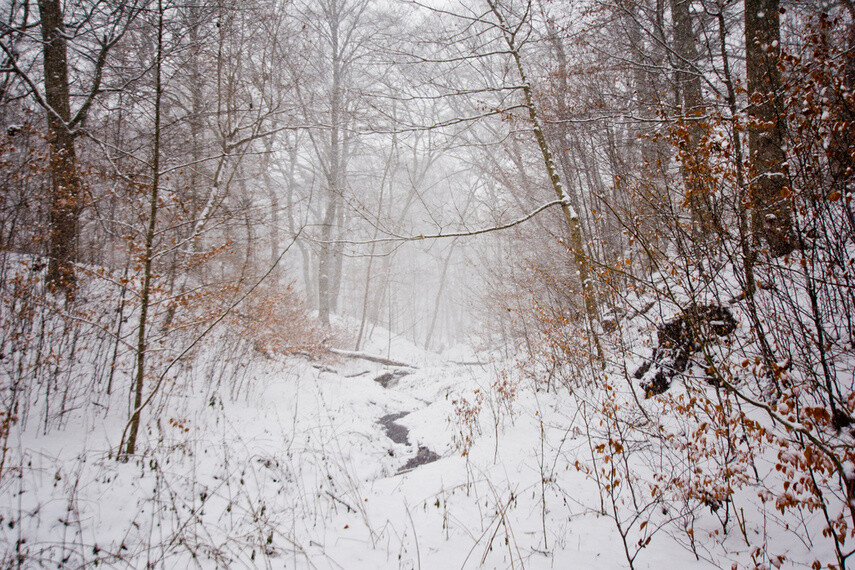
{"x":749,"y":255}
{"x":325,"y":263}
{"x":327,"y":258}
{"x":65,"y":181}
{"x":772,"y":206}
{"x":370,"y":357}
{"x":690,"y":100}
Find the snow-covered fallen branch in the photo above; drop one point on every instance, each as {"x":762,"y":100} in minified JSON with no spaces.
{"x":370,"y":357}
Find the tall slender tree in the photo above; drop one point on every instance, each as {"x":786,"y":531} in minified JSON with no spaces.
{"x":512,"y":37}
{"x":130,"y":446}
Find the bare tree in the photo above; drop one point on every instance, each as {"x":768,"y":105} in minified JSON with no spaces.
{"x":130,"y":445}
{"x":513,"y":34}
{"x":692,"y":111}
{"x":97,"y":29}
{"x":340,"y":27}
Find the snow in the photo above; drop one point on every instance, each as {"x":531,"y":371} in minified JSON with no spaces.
{"x":298,"y":471}
{"x":256,"y":461}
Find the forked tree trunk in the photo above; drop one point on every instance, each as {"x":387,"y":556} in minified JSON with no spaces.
{"x":327,"y":285}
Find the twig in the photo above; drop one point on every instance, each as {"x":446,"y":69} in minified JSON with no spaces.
{"x":402,"y":238}
{"x":336,"y":499}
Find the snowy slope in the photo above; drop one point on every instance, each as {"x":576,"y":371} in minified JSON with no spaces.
{"x":298,"y":471}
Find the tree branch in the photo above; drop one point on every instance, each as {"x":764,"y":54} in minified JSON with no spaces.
{"x":399,"y":238}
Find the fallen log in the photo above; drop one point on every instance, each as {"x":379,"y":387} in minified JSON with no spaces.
{"x":370,"y":357}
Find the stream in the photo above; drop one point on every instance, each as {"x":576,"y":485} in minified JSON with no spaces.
{"x":399,"y":433}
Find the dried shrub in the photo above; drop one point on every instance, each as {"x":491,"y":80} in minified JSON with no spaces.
{"x":277,"y":323}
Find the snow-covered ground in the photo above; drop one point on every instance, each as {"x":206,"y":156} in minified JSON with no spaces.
{"x":297,"y":470}
{"x":452,"y":460}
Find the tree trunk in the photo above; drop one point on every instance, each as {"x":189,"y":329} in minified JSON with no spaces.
{"x":65,"y":182}
{"x":130,"y":447}
{"x":437,"y":302}
{"x":305,"y":254}
{"x":273,"y":196}
{"x":690,"y":100}
{"x":772,"y":207}
{"x":749,"y":255}
{"x":388,"y":174}
{"x":337,"y":262}
{"x":327,"y":261}
{"x":577,"y":244}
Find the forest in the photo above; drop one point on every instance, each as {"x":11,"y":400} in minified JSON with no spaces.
{"x":427,"y":284}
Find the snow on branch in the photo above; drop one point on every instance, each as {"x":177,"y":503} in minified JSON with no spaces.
{"x":370,"y":357}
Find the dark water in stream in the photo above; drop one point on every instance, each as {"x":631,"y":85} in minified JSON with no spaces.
{"x":399,"y":434}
